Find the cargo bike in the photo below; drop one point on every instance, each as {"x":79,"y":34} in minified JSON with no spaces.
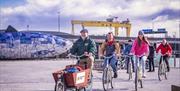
{"x":75,"y":77}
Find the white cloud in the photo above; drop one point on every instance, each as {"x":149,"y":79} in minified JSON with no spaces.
{"x":94,"y":10}
{"x":175,"y":5}
{"x":160,"y":18}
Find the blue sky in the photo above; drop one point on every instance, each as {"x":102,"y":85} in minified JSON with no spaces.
{"x":42,"y":14}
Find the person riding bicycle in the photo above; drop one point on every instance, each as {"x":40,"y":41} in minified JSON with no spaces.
{"x":140,"y":49}
{"x":166,"y":52}
{"x":127,"y":52}
{"x":111,"y":48}
{"x":84,"y":46}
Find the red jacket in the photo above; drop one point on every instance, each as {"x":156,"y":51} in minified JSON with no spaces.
{"x":165,"y":49}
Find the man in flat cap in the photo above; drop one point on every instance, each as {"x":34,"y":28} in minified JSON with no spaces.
{"x":84,"y":46}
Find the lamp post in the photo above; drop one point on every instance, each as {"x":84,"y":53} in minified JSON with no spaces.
{"x":179,"y":28}
{"x":58,"y":21}
{"x":27,"y":27}
{"x":153,"y":25}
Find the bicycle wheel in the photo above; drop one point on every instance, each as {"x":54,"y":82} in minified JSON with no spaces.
{"x":159,"y":72}
{"x":106,"y":79}
{"x":136,"y":80}
{"x":165,"y":71}
{"x":141,"y":84}
{"x":111,"y":77}
{"x":60,"y":85}
{"x":130,"y":71}
{"x":165,"y":75}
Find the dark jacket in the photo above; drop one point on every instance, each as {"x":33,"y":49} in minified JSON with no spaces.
{"x":151,"y":52}
{"x":81,"y":46}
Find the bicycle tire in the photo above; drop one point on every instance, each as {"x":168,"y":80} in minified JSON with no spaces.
{"x":141,"y":84}
{"x":130,"y":71}
{"x":136,"y":80}
{"x":60,"y":85}
{"x":105,"y":79}
{"x":111,"y":77}
{"x":165,"y":71}
{"x":165,"y":75}
{"x":159,"y":72}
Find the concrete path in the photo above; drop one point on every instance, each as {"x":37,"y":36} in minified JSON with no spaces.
{"x":37,"y":76}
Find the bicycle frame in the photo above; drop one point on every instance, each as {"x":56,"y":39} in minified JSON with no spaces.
{"x":129,"y":69}
{"x":107,"y":74}
{"x":123,"y":62}
{"x":138,"y":69}
{"x":162,"y":70}
{"x":138,"y":73}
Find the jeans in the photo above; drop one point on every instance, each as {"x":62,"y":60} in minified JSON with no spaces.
{"x":140,"y":61}
{"x":112,"y":62}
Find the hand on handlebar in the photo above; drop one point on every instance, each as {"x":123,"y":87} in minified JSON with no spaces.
{"x":101,"y":56}
{"x":87,"y":54}
{"x":130,"y":53}
{"x":118,"y":56}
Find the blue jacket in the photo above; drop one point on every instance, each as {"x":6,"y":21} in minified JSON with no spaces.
{"x":127,"y":49}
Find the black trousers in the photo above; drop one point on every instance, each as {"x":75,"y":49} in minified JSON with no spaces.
{"x":151,"y":64}
{"x":165,"y":58}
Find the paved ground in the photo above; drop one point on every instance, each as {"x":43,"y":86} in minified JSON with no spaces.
{"x":36,"y":76}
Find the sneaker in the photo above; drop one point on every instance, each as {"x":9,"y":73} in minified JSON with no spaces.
{"x":144,"y":76}
{"x":149,"y":71}
{"x":115,"y":75}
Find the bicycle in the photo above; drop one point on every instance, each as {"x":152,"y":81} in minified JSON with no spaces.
{"x":107,"y":74}
{"x":162,"y":69}
{"x":65,"y":80}
{"x":129,"y":69}
{"x":138,"y":74}
{"x":122,"y":62}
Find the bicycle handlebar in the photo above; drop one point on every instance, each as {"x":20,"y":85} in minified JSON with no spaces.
{"x":162,"y":54}
{"x":75,"y":56}
{"x":127,"y":55}
{"x":108,"y":56}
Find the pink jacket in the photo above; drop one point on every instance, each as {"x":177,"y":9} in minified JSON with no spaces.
{"x":139,"y":50}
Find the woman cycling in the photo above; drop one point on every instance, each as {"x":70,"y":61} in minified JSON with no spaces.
{"x":140,"y":49}
{"x":111,"y":48}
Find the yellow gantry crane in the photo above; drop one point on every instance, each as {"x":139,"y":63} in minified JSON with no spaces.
{"x":116,"y":25}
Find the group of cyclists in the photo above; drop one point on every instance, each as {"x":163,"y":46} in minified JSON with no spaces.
{"x":140,"y":48}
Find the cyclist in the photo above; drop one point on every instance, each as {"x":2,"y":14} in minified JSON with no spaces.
{"x":140,"y":49}
{"x":84,"y":45}
{"x":126,"y":52}
{"x":166,"y":52}
{"x":109,"y":48}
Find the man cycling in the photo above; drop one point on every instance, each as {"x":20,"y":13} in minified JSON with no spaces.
{"x":109,"y":48}
{"x":166,"y":52}
{"x":84,"y":46}
{"x":127,"y":52}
